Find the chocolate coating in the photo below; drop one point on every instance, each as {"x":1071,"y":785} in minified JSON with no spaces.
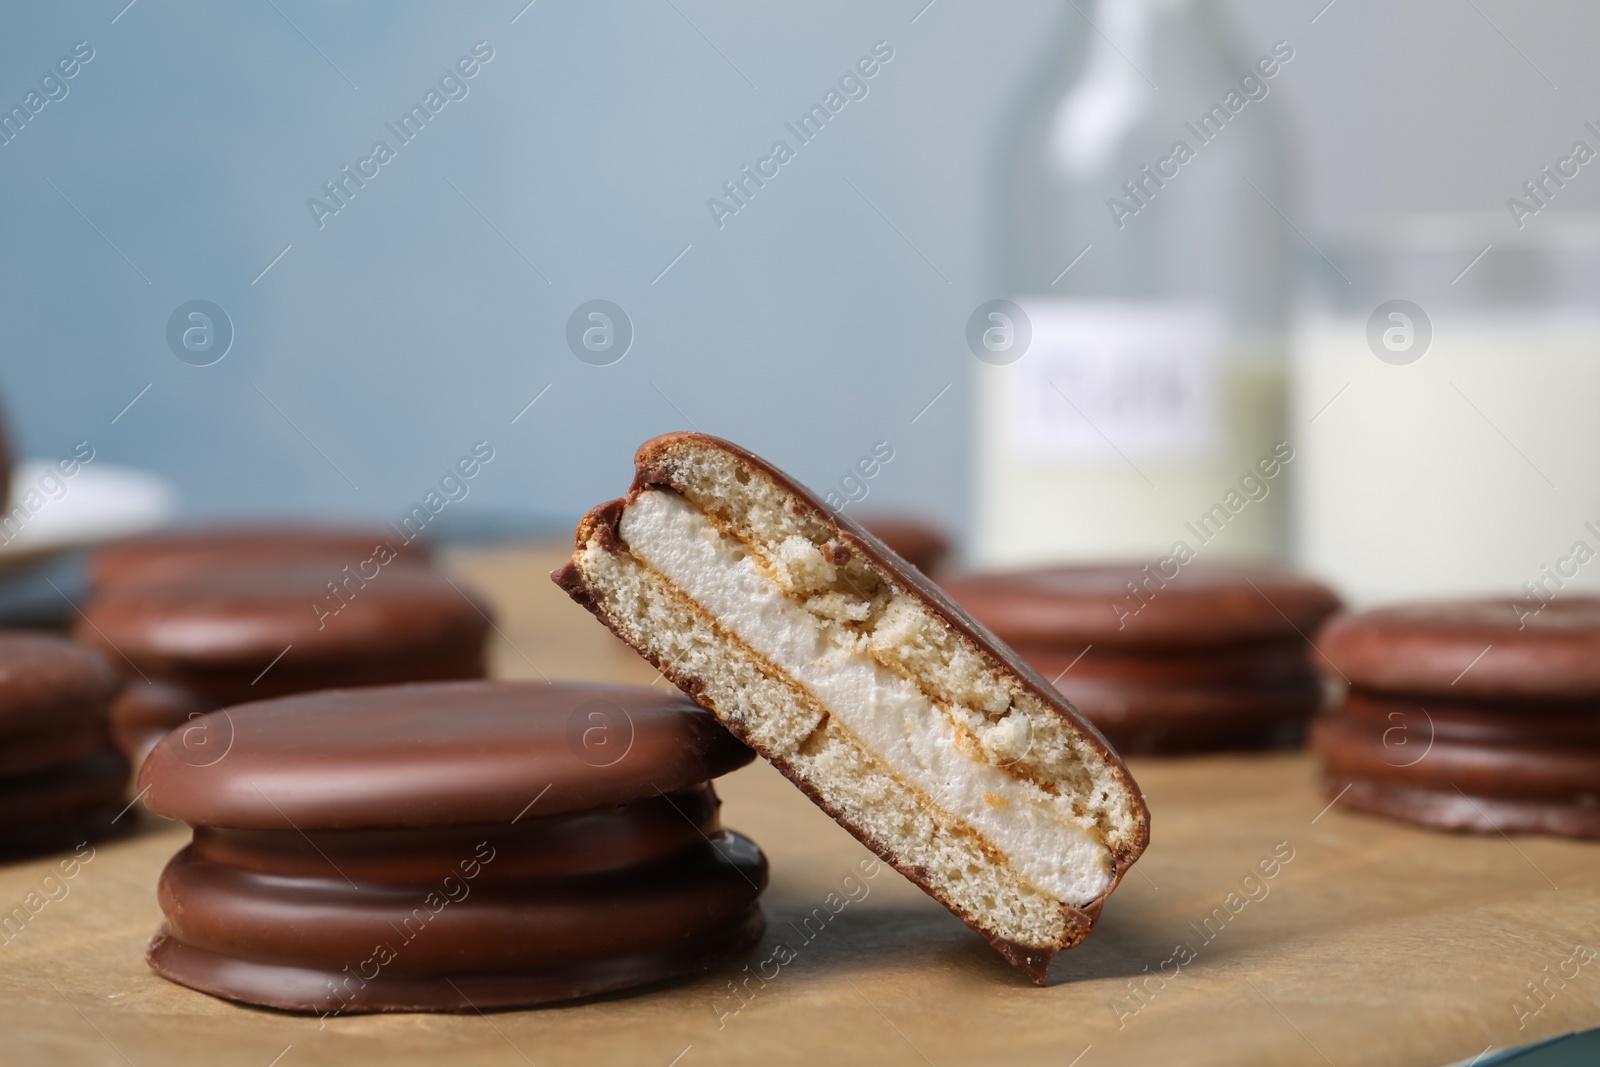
{"x":212,"y":638}
{"x":1353,"y":748}
{"x":146,"y":711}
{"x":1256,"y":695}
{"x":451,"y":846}
{"x":220,"y":621}
{"x":1176,"y":722}
{"x":598,"y":840}
{"x":1456,"y":811}
{"x":1205,"y":604}
{"x":432,"y":754}
{"x":1414,"y":719}
{"x":47,"y":684}
{"x":1486,"y":648}
{"x":1268,"y":663}
{"x":296,"y":988}
{"x":1216,"y":658}
{"x":324,"y":923}
{"x":175,"y":553}
{"x":61,"y":782}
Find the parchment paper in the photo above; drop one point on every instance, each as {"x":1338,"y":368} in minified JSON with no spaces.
{"x":1370,"y":943}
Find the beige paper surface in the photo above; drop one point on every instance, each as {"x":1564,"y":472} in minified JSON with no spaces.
{"x":1374,"y":944}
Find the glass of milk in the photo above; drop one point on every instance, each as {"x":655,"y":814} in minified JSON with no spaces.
{"x":1445,"y":408}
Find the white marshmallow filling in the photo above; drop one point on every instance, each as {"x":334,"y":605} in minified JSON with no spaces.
{"x":927,"y":746}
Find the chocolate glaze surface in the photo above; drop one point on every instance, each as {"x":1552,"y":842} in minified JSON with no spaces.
{"x":299,"y":988}
{"x":1533,"y":723}
{"x":1205,"y":604}
{"x":1172,"y":720}
{"x":1453,"y":810}
{"x":650,"y":471}
{"x":175,"y":553}
{"x":1371,"y":751}
{"x":1181,"y":700}
{"x":1486,"y":648}
{"x":230,"y":621}
{"x":145,"y":711}
{"x":1239,"y":664}
{"x":48,"y":683}
{"x":573,"y":844}
{"x":435,"y":926}
{"x":431,"y":754}
{"x":61,"y":782}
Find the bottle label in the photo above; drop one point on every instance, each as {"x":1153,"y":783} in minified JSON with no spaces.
{"x":1107,"y":378}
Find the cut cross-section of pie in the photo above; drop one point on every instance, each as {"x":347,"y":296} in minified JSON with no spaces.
{"x":896,"y":712}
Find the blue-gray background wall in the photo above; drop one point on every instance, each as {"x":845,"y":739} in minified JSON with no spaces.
{"x":429,"y":311}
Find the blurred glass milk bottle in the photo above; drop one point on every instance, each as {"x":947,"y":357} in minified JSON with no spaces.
{"x":1129,"y":406}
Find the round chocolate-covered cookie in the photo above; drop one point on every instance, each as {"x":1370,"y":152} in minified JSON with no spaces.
{"x":1471,"y":715}
{"x":176,"y":553}
{"x":61,"y":781}
{"x":1192,"y":658}
{"x":449,"y":847}
{"x":220,"y":636}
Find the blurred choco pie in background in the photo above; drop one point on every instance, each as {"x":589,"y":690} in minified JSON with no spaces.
{"x":202,"y":620}
{"x":61,"y":781}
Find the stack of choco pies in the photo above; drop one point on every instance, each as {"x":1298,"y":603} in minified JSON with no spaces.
{"x":61,"y":781}
{"x":450,"y":847}
{"x":205,"y":619}
{"x":1209,"y":657}
{"x":1468,"y":715}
